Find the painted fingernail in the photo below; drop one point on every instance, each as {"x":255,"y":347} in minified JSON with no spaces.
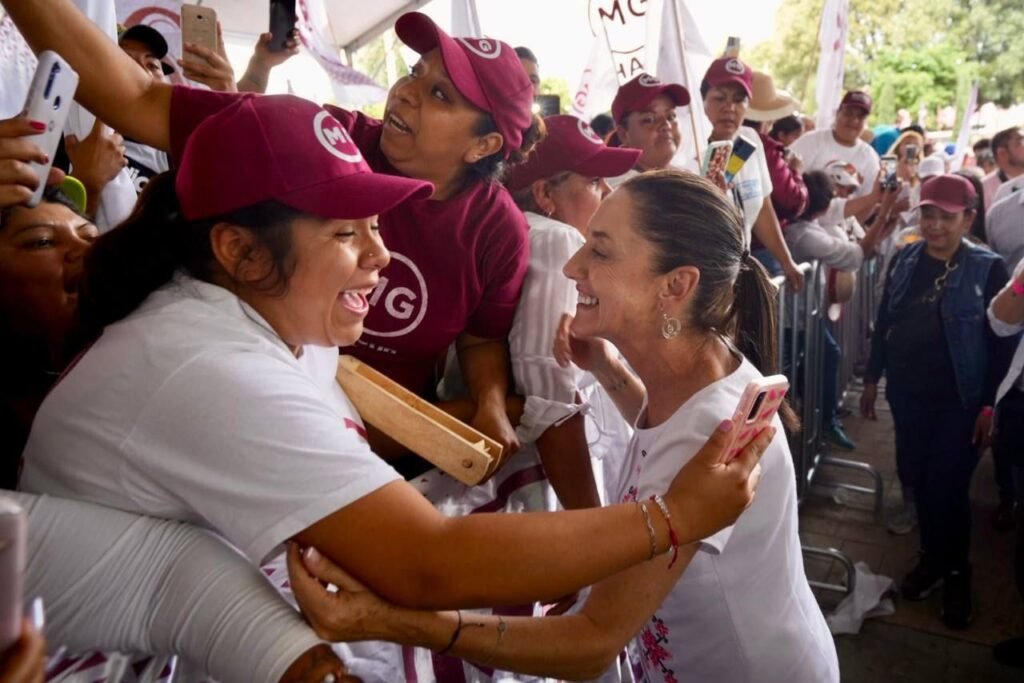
{"x":312,"y":554}
{"x":37,"y":125}
{"x":725,"y":426}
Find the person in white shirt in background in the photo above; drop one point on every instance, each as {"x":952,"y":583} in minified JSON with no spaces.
{"x":1008,"y":150}
{"x":644,"y":111}
{"x":810,"y":240}
{"x":843,"y":142}
{"x":726,"y":90}
{"x":1004,"y":227}
{"x":559,"y":189}
{"x":1006,"y":316}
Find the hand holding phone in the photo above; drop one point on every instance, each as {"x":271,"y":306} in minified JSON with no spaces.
{"x":282,"y":24}
{"x":887,"y":172}
{"x":716,"y":157}
{"x":757,"y":408}
{"x":48,"y":102}
{"x":198,"y":27}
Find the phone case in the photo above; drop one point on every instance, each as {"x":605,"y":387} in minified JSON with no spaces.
{"x":716,"y":157}
{"x":757,"y":408}
{"x":13,"y":528}
{"x":49,"y":100}
{"x":198,"y":26}
{"x":888,"y":171}
{"x":742,"y":149}
{"x":282,"y":22}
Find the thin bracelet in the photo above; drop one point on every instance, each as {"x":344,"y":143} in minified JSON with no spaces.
{"x":455,"y":636}
{"x":501,"y":628}
{"x":650,"y":529}
{"x":673,"y":539}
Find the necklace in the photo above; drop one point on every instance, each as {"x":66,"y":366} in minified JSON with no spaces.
{"x":940,"y":281}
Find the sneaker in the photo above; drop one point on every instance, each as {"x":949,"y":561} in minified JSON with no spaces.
{"x":957,"y":608}
{"x":901,"y":521}
{"x":921,"y":581}
{"x":1010,"y":653}
{"x":835,"y":435}
{"x":1002,"y":517}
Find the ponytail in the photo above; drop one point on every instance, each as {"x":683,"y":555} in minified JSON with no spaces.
{"x":143,"y":253}
{"x":754,"y":325}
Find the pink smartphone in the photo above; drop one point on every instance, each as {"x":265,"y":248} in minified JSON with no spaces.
{"x":13,"y":529}
{"x":757,"y":408}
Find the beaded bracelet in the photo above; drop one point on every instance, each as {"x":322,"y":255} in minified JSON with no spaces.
{"x":672,"y":538}
{"x":455,"y":636}
{"x":650,"y":529}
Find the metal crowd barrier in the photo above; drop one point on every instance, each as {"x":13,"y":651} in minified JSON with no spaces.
{"x":801,"y":343}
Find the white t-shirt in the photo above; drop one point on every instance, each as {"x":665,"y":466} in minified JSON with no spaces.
{"x":743,"y":610}
{"x":191,"y":408}
{"x":812,"y":241}
{"x":753,"y":183}
{"x":1008,"y":188}
{"x":1004,"y":228}
{"x":619,"y":179}
{"x":819,"y":148}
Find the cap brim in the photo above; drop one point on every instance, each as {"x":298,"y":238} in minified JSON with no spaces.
{"x":733,"y":80}
{"x":945,"y":205}
{"x":608,"y":162}
{"x":359,"y":195}
{"x":419,"y":32}
{"x":148,"y":36}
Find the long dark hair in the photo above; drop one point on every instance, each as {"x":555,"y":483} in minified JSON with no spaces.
{"x":494,"y":167}
{"x":142,"y":254}
{"x":690,"y":223}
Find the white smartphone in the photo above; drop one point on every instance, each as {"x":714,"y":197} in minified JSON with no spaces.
{"x":13,"y":530}
{"x":198,"y":26}
{"x":758,"y":405}
{"x":49,"y":100}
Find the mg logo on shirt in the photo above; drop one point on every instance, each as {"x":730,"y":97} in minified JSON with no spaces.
{"x":402,"y":293}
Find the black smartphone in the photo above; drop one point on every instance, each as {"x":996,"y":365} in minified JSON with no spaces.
{"x":912,"y":153}
{"x":282,"y":23}
{"x":548,"y":105}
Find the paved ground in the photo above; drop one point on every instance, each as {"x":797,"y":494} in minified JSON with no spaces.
{"x":912,"y":645}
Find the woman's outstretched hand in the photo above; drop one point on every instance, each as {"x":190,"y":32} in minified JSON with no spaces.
{"x":590,"y":354}
{"x":353,"y":613}
{"x":17,"y":179}
{"x":711,"y":491}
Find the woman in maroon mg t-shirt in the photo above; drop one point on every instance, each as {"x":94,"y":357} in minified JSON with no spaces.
{"x":458,"y":259}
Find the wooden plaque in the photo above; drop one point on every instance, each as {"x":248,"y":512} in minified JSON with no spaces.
{"x":449,"y":444}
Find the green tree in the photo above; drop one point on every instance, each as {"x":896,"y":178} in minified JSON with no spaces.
{"x":552,"y":85}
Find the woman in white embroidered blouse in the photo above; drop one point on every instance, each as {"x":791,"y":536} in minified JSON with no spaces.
{"x":665,"y":277}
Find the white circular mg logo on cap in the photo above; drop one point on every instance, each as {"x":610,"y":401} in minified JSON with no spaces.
{"x":482,"y":47}
{"x":649,"y":81}
{"x":335,"y":139}
{"x":735,"y":66}
{"x":588,"y":132}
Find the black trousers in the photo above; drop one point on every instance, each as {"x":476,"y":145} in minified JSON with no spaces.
{"x":936,"y":458}
{"x":1009,"y":444}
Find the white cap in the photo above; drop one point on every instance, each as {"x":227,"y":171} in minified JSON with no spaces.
{"x":931,"y":166}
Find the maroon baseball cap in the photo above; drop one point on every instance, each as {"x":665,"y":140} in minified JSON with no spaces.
{"x":950,"y":192}
{"x":287,"y":149}
{"x":639,"y":92}
{"x":571,"y":145}
{"x":730,"y":70}
{"x":487,"y":72}
{"x":857,"y":99}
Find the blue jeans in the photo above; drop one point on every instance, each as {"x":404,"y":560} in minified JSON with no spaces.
{"x":936,"y":459}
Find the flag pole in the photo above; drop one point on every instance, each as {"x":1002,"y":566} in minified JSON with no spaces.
{"x":686,"y":75}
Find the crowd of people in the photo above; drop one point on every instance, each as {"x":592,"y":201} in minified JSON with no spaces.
{"x":575,"y":291}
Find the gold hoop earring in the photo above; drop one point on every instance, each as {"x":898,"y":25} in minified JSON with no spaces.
{"x":670,"y":326}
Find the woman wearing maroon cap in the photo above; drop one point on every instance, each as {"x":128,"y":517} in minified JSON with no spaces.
{"x":943,"y":365}
{"x":726,"y":90}
{"x":209,"y":395}
{"x":644,"y":110}
{"x":559,"y":188}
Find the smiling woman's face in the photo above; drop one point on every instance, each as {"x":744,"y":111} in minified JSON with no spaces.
{"x":41,"y":252}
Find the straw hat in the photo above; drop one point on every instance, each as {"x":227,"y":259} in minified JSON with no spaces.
{"x":767,"y":103}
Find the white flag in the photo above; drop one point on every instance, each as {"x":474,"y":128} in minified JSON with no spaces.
{"x":831,"y":64}
{"x":965,"y":130}
{"x":653,"y":37}
{"x":465,"y":19}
